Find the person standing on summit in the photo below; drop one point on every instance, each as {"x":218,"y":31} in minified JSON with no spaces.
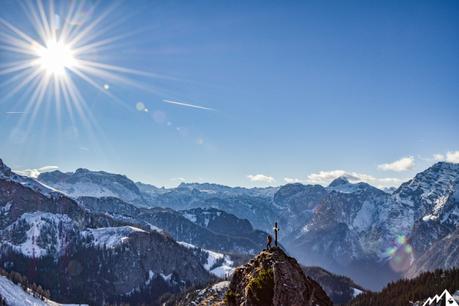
{"x":276,"y":230}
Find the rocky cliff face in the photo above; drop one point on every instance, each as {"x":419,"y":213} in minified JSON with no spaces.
{"x":270,"y":278}
{"x":359,"y":227}
{"x":273,"y":278}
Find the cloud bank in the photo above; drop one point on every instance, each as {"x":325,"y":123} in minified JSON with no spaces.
{"x":403,"y":164}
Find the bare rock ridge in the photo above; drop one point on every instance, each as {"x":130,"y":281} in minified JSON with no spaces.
{"x":273,"y":278}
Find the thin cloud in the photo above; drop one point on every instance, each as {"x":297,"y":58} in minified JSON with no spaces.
{"x":178,"y":179}
{"x":403,"y":164}
{"x":188,"y":105}
{"x":261,"y":178}
{"x":35,"y":172}
{"x":292,"y":180}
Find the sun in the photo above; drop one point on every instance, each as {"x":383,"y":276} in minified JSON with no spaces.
{"x":55,"y":57}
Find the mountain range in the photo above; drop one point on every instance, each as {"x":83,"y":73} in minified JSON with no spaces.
{"x":353,"y":229}
{"x":110,"y":239}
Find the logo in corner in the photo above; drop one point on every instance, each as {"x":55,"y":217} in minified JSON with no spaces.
{"x":445,"y":299}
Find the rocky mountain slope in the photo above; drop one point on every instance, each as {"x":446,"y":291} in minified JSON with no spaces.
{"x":273,"y":278}
{"x":14,"y":295}
{"x":362,"y":229}
{"x":340,"y":289}
{"x":207,"y":228}
{"x":351,"y":229}
{"x":83,"y":256}
{"x":270,"y":278}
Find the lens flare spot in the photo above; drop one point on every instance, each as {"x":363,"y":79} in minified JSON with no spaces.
{"x":401,"y":260}
{"x":391,"y":251}
{"x":401,"y":239}
{"x":408,"y":249}
{"x":140,"y":106}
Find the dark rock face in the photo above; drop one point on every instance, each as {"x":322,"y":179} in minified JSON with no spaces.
{"x":443,"y":254}
{"x":273,"y":278}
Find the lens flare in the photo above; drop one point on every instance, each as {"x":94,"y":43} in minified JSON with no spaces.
{"x":49,"y":62}
{"x":400,"y":254}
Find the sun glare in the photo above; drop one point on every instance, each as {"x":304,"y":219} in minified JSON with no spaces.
{"x":55,"y":57}
{"x":63,"y":54}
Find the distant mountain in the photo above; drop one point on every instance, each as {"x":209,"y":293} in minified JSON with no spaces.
{"x":207,"y":228}
{"x":361,"y":229}
{"x":84,"y":182}
{"x":225,"y":190}
{"x":83,"y":256}
{"x":253,"y":204}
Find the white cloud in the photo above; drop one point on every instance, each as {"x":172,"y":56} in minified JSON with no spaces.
{"x":403,"y":164}
{"x":36,"y":171}
{"x":439,"y":157}
{"x":325,"y":177}
{"x":261,"y":178}
{"x":450,"y":157}
{"x":290,"y":180}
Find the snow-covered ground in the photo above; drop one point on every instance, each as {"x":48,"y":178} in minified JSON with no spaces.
{"x":16,"y":296}
{"x":38,"y":221}
{"x":226,"y":268}
{"x":111,"y":237}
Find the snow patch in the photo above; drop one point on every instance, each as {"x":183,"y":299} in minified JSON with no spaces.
{"x":16,"y":296}
{"x":38,"y":221}
{"x":225,"y":269}
{"x":356,"y":292}
{"x":111,"y":237}
{"x":190,"y":217}
{"x":167,"y":277}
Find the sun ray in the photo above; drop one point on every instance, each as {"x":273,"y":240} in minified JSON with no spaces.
{"x":65,"y":54}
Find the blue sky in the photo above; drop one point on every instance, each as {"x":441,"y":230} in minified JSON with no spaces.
{"x":304,"y":90}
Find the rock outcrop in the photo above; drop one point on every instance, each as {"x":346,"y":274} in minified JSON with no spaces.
{"x":273,"y":278}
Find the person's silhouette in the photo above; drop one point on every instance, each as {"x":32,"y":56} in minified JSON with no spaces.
{"x":269,"y":239}
{"x":276,"y":230}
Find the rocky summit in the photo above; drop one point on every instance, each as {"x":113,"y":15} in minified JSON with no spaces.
{"x":274,"y":278}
